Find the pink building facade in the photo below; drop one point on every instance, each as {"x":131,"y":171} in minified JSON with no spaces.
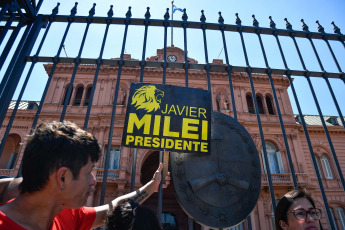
{"x":119,"y":176}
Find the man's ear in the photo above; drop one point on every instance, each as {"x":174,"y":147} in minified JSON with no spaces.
{"x":283,"y":225}
{"x":61,"y":174}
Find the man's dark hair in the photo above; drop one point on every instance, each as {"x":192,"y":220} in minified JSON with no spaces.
{"x":54,"y":145}
{"x":285,"y":203}
{"x":123,"y":218}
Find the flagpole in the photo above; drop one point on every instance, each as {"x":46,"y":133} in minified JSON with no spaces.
{"x":172,"y":19}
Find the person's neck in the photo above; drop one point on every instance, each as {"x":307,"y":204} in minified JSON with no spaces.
{"x":35,"y":210}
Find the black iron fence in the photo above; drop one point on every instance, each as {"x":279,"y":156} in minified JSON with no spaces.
{"x":21,"y":16}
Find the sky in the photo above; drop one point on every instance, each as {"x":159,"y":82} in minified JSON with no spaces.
{"x":293,"y":10}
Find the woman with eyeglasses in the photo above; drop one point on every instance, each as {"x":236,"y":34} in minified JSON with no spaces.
{"x":297,"y":211}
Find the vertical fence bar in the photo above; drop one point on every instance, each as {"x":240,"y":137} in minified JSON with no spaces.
{"x":77,"y":62}
{"x":55,"y":62}
{"x":172,"y":23}
{"x":99,"y":63}
{"x":341,"y":36}
{"x":134,"y":167}
{"x":9,"y":125}
{"x":228,"y":70}
{"x":335,"y":100}
{"x":256,"y":23}
{"x":318,"y":106}
{"x":17,"y":65}
{"x":112,"y":122}
{"x":38,"y":5}
{"x":10,"y":43}
{"x":249,"y":72}
{"x":325,"y":38}
{"x":3,"y":10}
{"x":142,"y":70}
{"x":15,"y":56}
{"x":186,"y":63}
{"x":143,"y":62}
{"x":207,"y":65}
{"x":186,"y":66}
{"x":6,"y":27}
{"x":228,"y":66}
{"x":164,"y":65}
{"x":312,"y":155}
{"x":160,"y":192}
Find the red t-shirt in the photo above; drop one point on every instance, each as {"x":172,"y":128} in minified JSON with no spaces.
{"x":68,"y":219}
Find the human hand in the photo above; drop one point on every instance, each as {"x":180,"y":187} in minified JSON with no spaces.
{"x":157,"y":177}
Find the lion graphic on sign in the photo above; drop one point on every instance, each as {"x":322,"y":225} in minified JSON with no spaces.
{"x":147,"y":97}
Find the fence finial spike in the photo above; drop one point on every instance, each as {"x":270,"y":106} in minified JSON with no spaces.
{"x":55,"y":11}
{"x":288,"y":25}
{"x":202,"y":17}
{"x":319,"y":27}
{"x":255,"y":22}
{"x":336,"y":28}
{"x":74,"y":9}
{"x":238,"y":20}
{"x":129,"y":13}
{"x":184,"y":15}
{"x":147,"y":14}
{"x":92,"y":10}
{"x":110,"y":12}
{"x":272,"y":23}
{"x":305,"y":27}
{"x":166,"y":15}
{"x":220,"y":19}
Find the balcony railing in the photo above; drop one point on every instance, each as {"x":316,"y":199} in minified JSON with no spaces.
{"x":283,"y":178}
{"x":8,"y":172}
{"x":113,"y":174}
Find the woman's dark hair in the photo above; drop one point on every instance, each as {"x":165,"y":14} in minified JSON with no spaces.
{"x":123,"y":218}
{"x":285,"y":203}
{"x":54,"y":145}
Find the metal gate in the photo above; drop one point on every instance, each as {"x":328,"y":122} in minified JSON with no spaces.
{"x":22,"y":19}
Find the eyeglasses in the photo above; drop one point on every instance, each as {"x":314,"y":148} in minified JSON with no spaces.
{"x":302,"y":214}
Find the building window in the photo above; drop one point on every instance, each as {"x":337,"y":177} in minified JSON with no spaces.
{"x":69,"y":100}
{"x":274,"y":159}
{"x":12,"y":161}
{"x":318,"y":166}
{"x":169,"y":221}
{"x":114,"y":158}
{"x":326,"y":167}
{"x":341,"y":215}
{"x":78,"y":96}
{"x":269,"y":105}
{"x":88,"y":94}
{"x":250,"y":104}
{"x":333,"y":121}
{"x":32,"y":105}
{"x":260,"y":105}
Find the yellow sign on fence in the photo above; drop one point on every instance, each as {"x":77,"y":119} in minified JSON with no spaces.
{"x":167,"y":117}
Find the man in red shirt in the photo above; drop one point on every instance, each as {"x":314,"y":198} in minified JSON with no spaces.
{"x":57,"y":180}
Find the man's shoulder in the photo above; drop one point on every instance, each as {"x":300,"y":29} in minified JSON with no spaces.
{"x":7,"y":223}
{"x":80,"y":218}
{"x":4,"y":206}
